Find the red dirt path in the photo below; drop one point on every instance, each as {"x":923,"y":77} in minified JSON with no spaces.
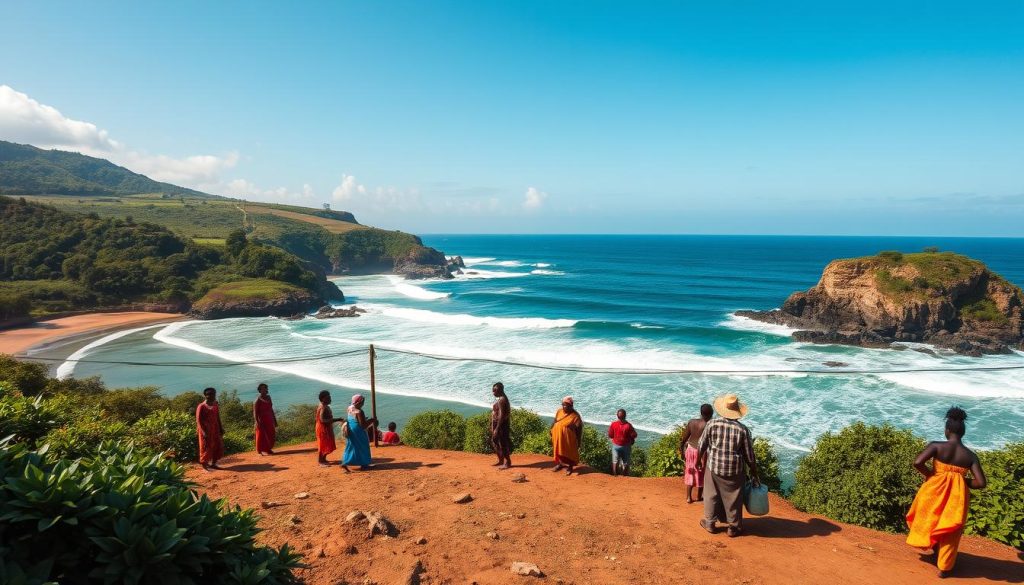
{"x":592,"y":528}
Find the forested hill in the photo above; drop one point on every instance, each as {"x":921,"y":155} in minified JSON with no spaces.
{"x":51,"y":260}
{"x":27,"y":170}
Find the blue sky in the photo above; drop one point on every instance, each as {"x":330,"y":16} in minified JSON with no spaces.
{"x":522,"y":117}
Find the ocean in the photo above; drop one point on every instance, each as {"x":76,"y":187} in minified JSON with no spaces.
{"x":532,"y":311}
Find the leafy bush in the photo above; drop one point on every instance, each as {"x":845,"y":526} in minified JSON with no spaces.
{"x":129,"y":405}
{"x":436,"y":429}
{"x":998,"y":510}
{"x":123,"y":517}
{"x":29,"y":378}
{"x":767,"y":464}
{"x":595,"y":450}
{"x":522,"y":423}
{"x":891,"y":255}
{"x":638,"y":465}
{"x":166,"y":431}
{"x":185,"y":402}
{"x":82,"y":436}
{"x":296,"y":424}
{"x":237,"y":440}
{"x":862,"y":475}
{"x":478,"y":434}
{"x":538,"y":443}
{"x":29,"y":419}
{"x":663,"y":459}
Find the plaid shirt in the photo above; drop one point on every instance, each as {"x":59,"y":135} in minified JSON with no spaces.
{"x":728,"y":445}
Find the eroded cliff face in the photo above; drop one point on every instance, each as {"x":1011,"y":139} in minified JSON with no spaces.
{"x":949,"y":300}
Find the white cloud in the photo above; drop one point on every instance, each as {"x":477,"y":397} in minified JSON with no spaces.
{"x":534,"y":198}
{"x":348,"y":189}
{"x":25,"y":120}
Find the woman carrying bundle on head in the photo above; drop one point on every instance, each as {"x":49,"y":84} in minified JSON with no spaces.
{"x":937,"y":516}
{"x":357,"y":443}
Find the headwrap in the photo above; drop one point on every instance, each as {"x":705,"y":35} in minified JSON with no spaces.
{"x":356,"y":398}
{"x":567,"y":400}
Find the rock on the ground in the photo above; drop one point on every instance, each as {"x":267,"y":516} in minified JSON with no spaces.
{"x":301,"y":495}
{"x":526,"y":569}
{"x":519,"y":478}
{"x":492,"y":535}
{"x":463,"y":498}
{"x":421,"y":540}
{"x":378,"y":524}
{"x":329,"y":312}
{"x":294,"y":519}
{"x":355,"y":516}
{"x":267,"y":505}
{"x":413,"y":576}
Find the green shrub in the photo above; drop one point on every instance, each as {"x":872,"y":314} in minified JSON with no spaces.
{"x":663,"y":459}
{"x":595,"y":450}
{"x":81,"y":437}
{"x":233,"y":412}
{"x":166,"y":431}
{"x":891,"y":255}
{"x":478,"y":434}
{"x":296,"y":424}
{"x":538,"y":443}
{"x":29,"y":378}
{"x":238,"y":440}
{"x":29,"y":419}
{"x":91,"y":386}
{"x":998,"y":510}
{"x":185,"y":402}
{"x":129,"y":405}
{"x":862,"y":475}
{"x":122,"y":517}
{"x":638,"y":465}
{"x":436,"y":429}
{"x":522,"y":423}
{"x":767,"y":464}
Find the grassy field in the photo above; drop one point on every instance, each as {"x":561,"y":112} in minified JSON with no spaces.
{"x":332,"y":225}
{"x":250,"y":288}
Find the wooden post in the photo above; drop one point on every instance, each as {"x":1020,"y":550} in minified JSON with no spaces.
{"x":373,"y":394}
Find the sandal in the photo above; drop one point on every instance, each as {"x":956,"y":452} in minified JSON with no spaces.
{"x":733,"y":532}
{"x":711,"y":528}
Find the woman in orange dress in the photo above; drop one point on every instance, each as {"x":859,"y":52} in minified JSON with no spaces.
{"x":266,"y":421}
{"x":566,"y":433}
{"x":325,"y":442}
{"x":937,"y":516}
{"x":210,"y":430}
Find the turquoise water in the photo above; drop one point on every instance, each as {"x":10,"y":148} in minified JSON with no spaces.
{"x":630,"y":302}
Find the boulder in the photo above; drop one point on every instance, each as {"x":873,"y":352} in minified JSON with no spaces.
{"x":526,"y":569}
{"x":329,"y":312}
{"x":463,"y":498}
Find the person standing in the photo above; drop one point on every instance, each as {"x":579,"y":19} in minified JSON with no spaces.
{"x":566,"y":433}
{"x":501,"y":432}
{"x":210,"y":430}
{"x":623,"y":435}
{"x":357,"y":442}
{"x":724,"y":449}
{"x":689,"y":441}
{"x":325,"y":442}
{"x":937,"y":516}
{"x":265,"y":419}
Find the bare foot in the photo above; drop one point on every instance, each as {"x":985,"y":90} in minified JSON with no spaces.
{"x":345,"y":467}
{"x":558,"y":468}
{"x":271,"y":452}
{"x":503,"y":467}
{"x":689,"y":500}
{"x":569,"y":471}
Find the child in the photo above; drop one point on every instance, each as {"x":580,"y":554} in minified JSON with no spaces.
{"x":325,"y":428}
{"x":391,"y":437}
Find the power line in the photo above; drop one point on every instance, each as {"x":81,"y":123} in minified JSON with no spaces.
{"x":579,"y":369}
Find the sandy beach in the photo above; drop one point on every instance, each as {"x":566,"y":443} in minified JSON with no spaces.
{"x":589,"y":529}
{"x":21,"y":340}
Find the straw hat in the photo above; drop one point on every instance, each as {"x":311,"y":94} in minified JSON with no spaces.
{"x":729,"y":406}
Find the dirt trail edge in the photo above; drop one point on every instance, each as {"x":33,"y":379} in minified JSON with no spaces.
{"x":591,"y":528}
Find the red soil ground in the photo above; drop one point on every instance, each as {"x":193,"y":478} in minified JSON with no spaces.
{"x":591,"y":528}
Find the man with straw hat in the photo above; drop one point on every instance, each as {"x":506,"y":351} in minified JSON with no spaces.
{"x":725,"y":448}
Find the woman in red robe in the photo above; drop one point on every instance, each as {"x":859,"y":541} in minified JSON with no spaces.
{"x":210,"y":430}
{"x":265,"y":419}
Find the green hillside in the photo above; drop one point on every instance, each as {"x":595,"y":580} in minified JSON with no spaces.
{"x":27,"y":170}
{"x":51,"y":260}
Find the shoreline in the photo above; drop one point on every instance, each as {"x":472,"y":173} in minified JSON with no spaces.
{"x":49,"y":335}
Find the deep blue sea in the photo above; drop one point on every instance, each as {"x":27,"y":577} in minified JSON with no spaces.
{"x":604,"y":302}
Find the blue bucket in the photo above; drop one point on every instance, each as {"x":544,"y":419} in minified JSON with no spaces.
{"x":755,"y":499}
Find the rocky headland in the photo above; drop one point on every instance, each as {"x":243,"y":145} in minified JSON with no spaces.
{"x":260,"y":298}
{"x":940,"y":298}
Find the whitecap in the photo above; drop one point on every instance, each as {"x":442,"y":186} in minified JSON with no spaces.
{"x":416,"y":292}
{"x":642,"y":326}
{"x":67,"y":367}
{"x":424,"y":316}
{"x":542,"y":272}
{"x":733,"y":321}
{"x":542,"y":265}
{"x":476,"y":273}
{"x":471,"y":261}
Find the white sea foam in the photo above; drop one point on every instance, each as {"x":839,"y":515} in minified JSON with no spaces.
{"x":543,"y":272}
{"x":505,"y":263}
{"x":542,"y":265}
{"x":67,"y":368}
{"x":474,"y":261}
{"x":643,"y":326}
{"x":472,"y":273}
{"x":415,"y":292}
{"x":424,"y":316}
{"x":733,"y":321}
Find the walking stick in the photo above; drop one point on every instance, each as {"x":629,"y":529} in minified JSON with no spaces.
{"x":373,"y":395}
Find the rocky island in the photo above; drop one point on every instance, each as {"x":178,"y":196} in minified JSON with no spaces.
{"x":940,"y":298}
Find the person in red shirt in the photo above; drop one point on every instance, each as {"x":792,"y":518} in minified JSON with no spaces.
{"x":391,"y":437}
{"x":623,"y":435}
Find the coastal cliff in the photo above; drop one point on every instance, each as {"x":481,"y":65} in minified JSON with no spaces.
{"x":940,"y":298}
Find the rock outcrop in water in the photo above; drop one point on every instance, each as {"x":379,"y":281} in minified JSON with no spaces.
{"x":423,"y":262}
{"x":944,"y":299}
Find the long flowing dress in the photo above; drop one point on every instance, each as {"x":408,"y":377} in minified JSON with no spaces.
{"x":357,"y":444}
{"x":564,"y":440}
{"x":937,"y":516}
{"x":208,"y":419}
{"x":266,"y":431}
{"x":325,"y":442}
